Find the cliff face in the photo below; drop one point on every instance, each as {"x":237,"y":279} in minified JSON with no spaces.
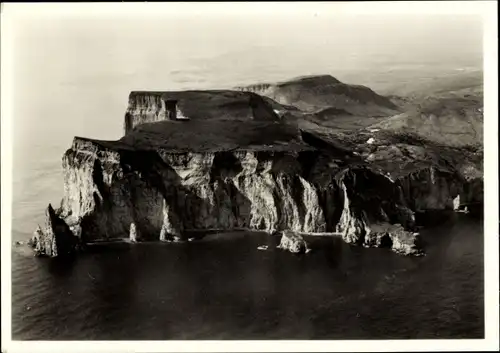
{"x":167,"y":193}
{"x":428,"y":189}
{"x":159,"y":195}
{"x":147,"y":107}
{"x":237,"y":165}
{"x":431,"y":175}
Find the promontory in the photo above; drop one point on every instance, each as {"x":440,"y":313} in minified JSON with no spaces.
{"x":312,"y":155}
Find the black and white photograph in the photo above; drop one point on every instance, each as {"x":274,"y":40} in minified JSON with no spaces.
{"x":245,"y":176}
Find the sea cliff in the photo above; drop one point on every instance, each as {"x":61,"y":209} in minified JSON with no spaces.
{"x":144,"y":195}
{"x":225,"y":160}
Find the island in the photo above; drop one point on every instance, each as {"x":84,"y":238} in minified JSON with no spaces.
{"x":309,"y":156}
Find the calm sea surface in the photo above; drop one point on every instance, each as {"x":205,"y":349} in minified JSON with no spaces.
{"x":221,"y":287}
{"x":224,"y":288}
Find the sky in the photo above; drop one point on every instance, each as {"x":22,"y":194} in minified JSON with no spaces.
{"x":73,"y":69}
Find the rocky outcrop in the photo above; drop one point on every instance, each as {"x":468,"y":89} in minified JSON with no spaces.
{"x":395,"y":237}
{"x":235,"y":165}
{"x":56,"y":238}
{"x":430,"y":189}
{"x":430,"y":175}
{"x":293,"y":242}
{"x":164,"y":194}
{"x":112,"y":192}
{"x":148,"y":107}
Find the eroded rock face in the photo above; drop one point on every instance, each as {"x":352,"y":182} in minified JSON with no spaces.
{"x":370,"y":198}
{"x":429,"y":189}
{"x":55,"y":239}
{"x":472,"y":194}
{"x":164,"y":194}
{"x":148,"y":107}
{"x":158,"y":195}
{"x":236,"y":164}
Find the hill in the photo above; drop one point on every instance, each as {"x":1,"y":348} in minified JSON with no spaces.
{"x":452,"y":118}
{"x":316,"y":93}
{"x":447,"y":111}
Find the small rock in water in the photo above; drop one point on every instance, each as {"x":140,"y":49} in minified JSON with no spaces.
{"x":19,"y":242}
{"x":263,"y":247}
{"x":191,"y":239}
{"x":293,"y":242}
{"x":28,"y":308}
{"x":133,"y":233}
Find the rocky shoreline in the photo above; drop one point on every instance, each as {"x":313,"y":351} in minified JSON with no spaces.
{"x":232,"y":160}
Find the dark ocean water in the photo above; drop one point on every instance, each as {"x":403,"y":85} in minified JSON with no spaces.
{"x":222,"y":287}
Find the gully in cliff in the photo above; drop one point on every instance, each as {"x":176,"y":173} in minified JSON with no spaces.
{"x":204,"y":160}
